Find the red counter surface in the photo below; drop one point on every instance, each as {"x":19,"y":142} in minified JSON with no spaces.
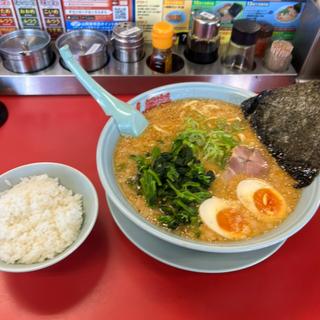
{"x":108,"y":277}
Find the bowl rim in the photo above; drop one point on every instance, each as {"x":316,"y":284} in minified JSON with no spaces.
{"x":19,"y":268}
{"x":170,"y":237}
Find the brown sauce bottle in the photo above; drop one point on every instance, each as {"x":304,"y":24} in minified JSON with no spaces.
{"x":162,"y":41}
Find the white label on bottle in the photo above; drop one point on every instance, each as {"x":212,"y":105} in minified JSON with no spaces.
{"x":94,"y":48}
{"x":130,"y":31}
{"x":207,"y":15}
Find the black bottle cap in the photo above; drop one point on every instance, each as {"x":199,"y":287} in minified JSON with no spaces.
{"x":244,"y":32}
{"x":3,"y":114}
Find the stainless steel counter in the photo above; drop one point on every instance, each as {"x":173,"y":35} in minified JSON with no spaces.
{"x":133,"y":78}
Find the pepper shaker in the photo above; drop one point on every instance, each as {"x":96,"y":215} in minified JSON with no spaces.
{"x":128,"y":42}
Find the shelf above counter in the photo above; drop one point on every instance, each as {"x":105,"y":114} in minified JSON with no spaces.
{"x":134,"y":78}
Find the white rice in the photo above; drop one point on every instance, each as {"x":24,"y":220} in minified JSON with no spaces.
{"x":39,"y":218}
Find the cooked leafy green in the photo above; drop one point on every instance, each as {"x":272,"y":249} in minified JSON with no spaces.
{"x":175,"y":182}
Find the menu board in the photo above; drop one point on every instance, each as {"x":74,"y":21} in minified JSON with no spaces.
{"x":284,"y":16}
{"x":57,"y":16}
{"x":97,"y":14}
{"x":52,"y":17}
{"x":28,"y":14}
{"x":148,"y":12}
{"x":176,"y":12}
{"x":8,"y":18}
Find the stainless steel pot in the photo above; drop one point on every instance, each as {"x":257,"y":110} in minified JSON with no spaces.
{"x":89,"y":47}
{"x":26,"y":50}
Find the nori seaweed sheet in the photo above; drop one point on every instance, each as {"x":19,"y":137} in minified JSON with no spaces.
{"x":287,"y":121}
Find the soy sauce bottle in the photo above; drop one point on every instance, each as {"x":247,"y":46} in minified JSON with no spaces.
{"x":203,"y":39}
{"x":162,"y":42}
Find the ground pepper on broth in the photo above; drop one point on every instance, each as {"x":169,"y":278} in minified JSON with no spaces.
{"x":165,"y":123}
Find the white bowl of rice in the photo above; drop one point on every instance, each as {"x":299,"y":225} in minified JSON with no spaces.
{"x":47,"y":210}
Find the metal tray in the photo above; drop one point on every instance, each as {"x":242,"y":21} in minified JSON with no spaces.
{"x":134,"y":78}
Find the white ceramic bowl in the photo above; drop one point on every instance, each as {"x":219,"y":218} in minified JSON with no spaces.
{"x":304,"y":211}
{"x":70,"y":178}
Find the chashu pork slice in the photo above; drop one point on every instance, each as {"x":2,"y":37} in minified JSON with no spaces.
{"x":248,"y":161}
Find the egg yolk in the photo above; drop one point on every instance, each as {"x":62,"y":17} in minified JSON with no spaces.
{"x":267,"y":202}
{"x":230,"y":220}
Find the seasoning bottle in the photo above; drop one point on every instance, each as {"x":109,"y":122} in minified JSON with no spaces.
{"x":203,"y":39}
{"x":162,"y":41}
{"x":278,"y":57}
{"x":263,"y":39}
{"x":241,"y":49}
{"x":128,"y":42}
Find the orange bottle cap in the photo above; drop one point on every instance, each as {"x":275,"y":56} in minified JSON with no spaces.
{"x":162,"y":35}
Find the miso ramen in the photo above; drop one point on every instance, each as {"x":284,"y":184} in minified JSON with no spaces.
{"x":200,"y":171}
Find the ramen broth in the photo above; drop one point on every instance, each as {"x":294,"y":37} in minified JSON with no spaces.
{"x":165,"y":123}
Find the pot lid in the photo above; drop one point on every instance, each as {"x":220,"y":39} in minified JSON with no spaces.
{"x":24,"y":41}
{"x":83,"y":42}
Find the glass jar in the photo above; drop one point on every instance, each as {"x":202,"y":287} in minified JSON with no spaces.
{"x":263,"y":39}
{"x":203,"y":39}
{"x":241,"y":50}
{"x":162,"y":42}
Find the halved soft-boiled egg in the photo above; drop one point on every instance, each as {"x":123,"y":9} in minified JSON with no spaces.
{"x":263,"y":200}
{"x":224,"y":217}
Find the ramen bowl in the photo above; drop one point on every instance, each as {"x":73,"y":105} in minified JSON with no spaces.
{"x":305,"y":209}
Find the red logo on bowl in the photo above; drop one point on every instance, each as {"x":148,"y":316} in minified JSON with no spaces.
{"x":157,"y":100}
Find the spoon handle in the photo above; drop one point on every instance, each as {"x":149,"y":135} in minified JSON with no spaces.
{"x":98,"y":92}
{"x":129,"y":120}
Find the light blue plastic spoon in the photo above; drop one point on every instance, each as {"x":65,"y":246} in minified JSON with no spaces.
{"x":129,"y":120}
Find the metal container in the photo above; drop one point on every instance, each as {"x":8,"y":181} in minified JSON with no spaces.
{"x":26,"y":50}
{"x":128,"y":42}
{"x":205,"y":25}
{"x":89,"y":47}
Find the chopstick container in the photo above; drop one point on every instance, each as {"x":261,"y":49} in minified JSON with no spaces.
{"x":278,"y":56}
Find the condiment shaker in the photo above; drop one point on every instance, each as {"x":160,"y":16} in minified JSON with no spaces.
{"x":241,"y":49}
{"x":128,"y":42}
{"x":203,"y":39}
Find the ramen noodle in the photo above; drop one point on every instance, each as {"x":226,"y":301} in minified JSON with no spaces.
{"x":247,"y":197}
